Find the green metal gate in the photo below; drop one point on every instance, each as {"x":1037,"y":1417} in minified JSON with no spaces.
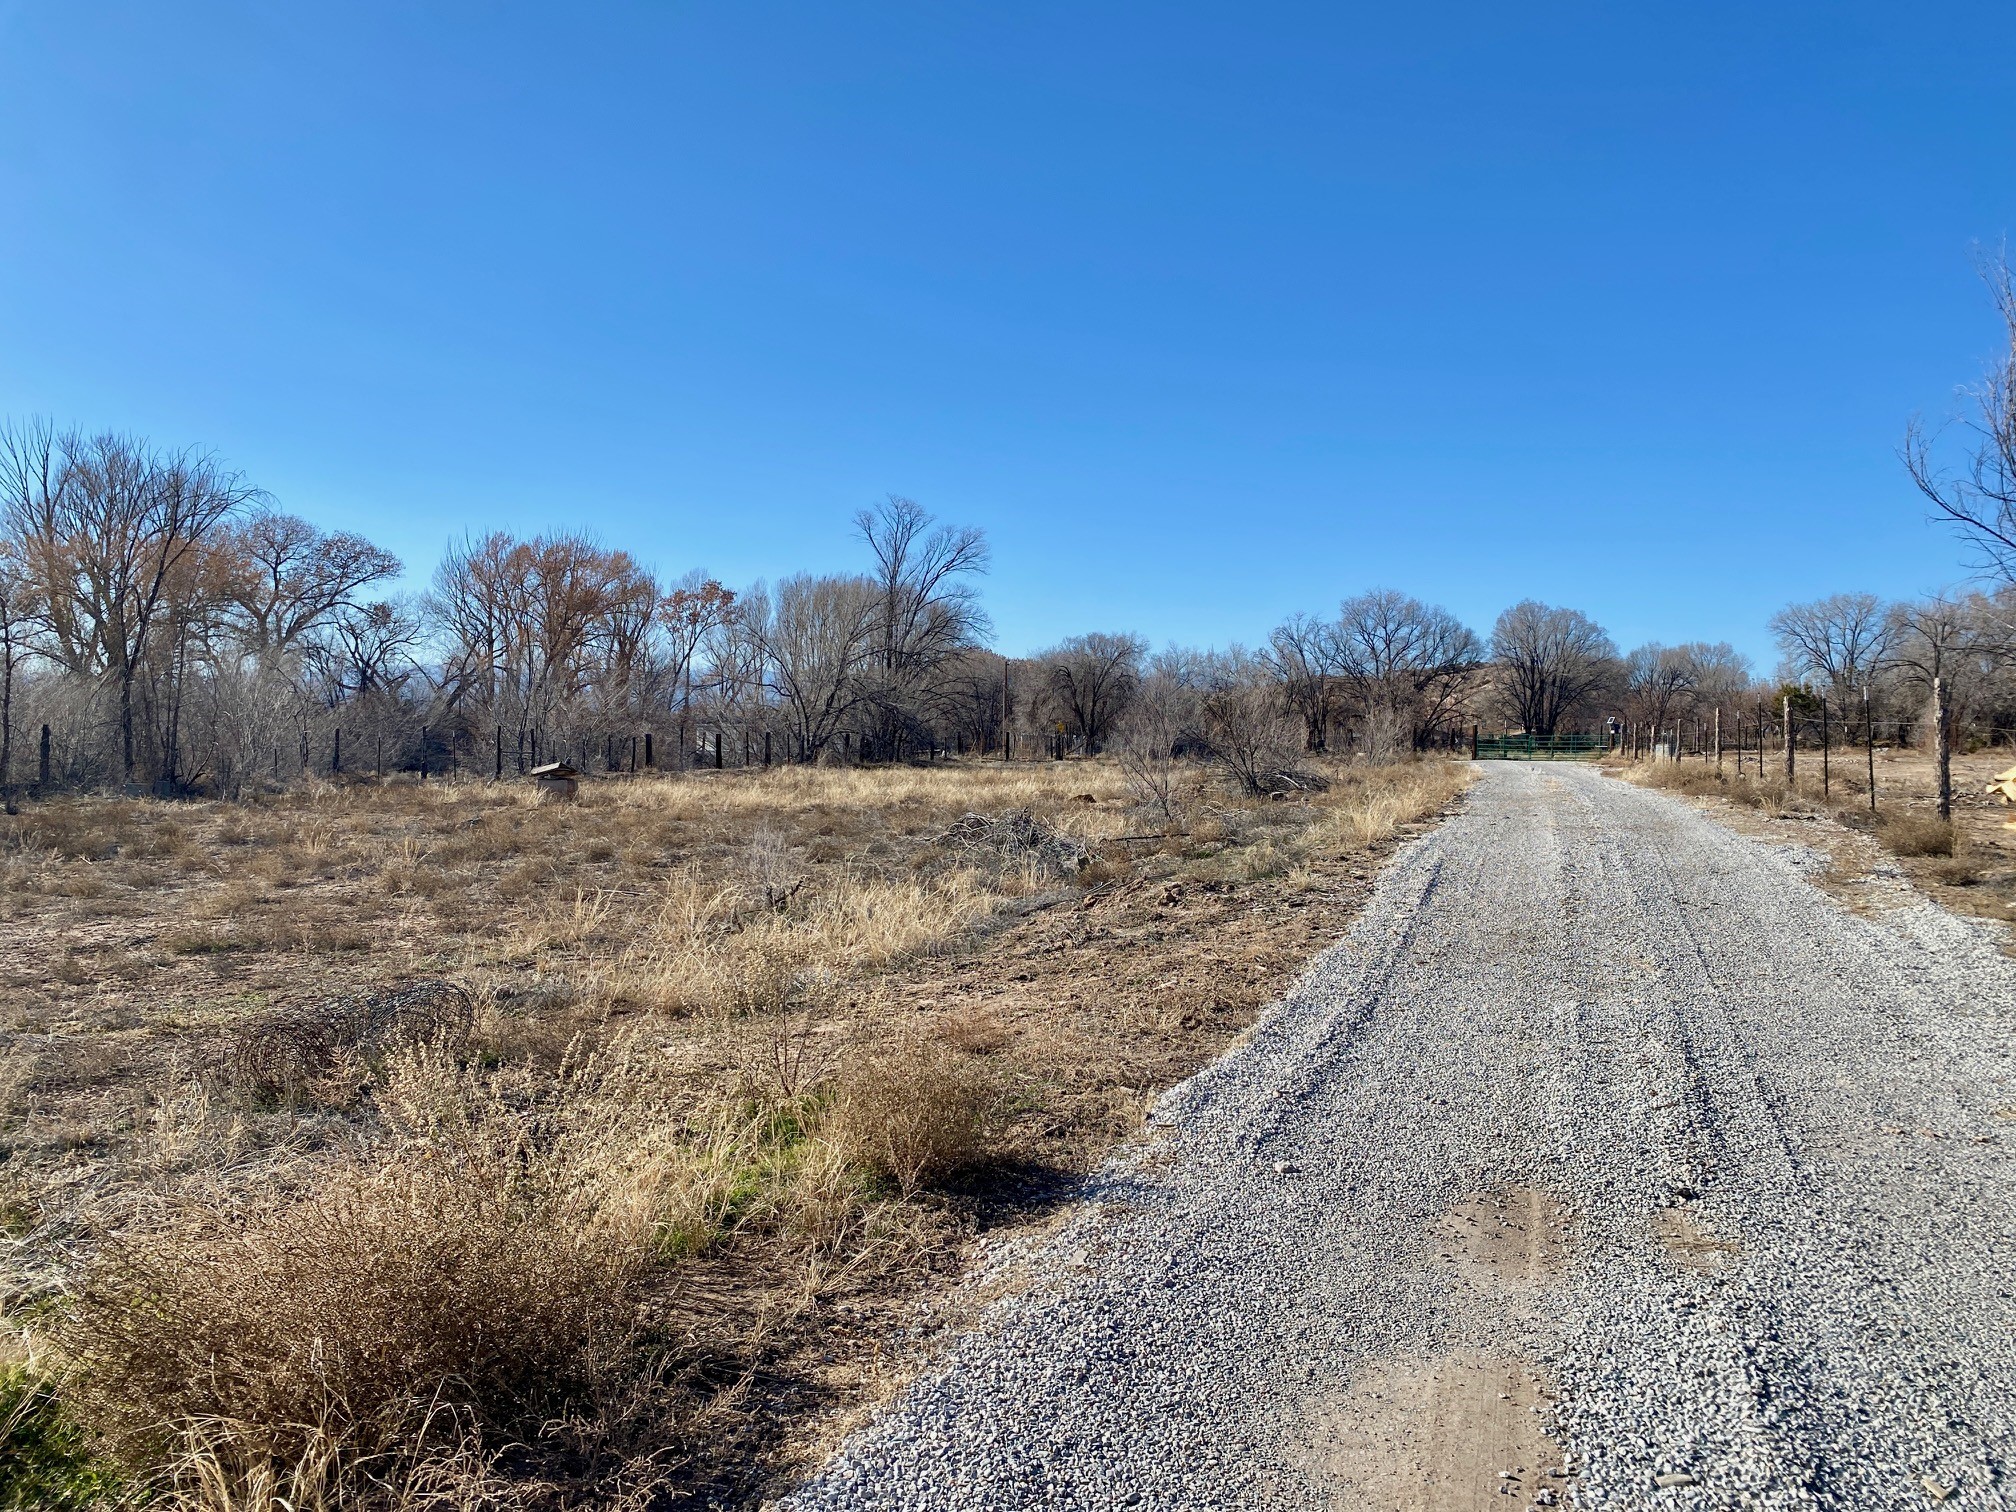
{"x":1538,"y":747}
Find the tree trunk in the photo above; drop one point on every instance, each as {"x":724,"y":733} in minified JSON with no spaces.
{"x":1942,"y":746}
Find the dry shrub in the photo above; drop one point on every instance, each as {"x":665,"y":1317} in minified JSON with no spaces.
{"x":482,"y":1258}
{"x":280,"y":1053}
{"x":351,"y":1310}
{"x":976,"y":1031}
{"x":913,"y":1113}
{"x":1699,"y":778}
{"x":1958,"y":871}
{"x":1916,"y":834}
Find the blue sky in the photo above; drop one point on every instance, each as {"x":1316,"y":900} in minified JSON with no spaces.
{"x":1207,"y":313}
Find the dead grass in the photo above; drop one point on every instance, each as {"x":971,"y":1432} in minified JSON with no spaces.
{"x":752,"y":1055}
{"x":1909,"y":834}
{"x":914,"y":1112}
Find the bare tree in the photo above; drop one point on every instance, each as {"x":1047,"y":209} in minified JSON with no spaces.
{"x":1550,"y":662}
{"x":929,"y":611}
{"x":1842,"y":639}
{"x":1245,"y":724}
{"x":816,"y":636}
{"x":1405,"y":663}
{"x":1092,"y":678}
{"x":1659,"y":681}
{"x":20,"y":618}
{"x":104,"y":524}
{"x":1978,"y":494}
{"x":1302,"y":651}
{"x":1159,"y":735}
{"x":287,"y":579}
{"x":1934,"y":637}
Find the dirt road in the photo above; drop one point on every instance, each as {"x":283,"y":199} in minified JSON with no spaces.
{"x":1608,"y":1162}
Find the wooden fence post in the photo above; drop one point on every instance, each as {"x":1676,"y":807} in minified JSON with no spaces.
{"x":1826,"y":780}
{"x":1718,"y":738}
{"x":1788,"y":740}
{"x":1869,"y":739}
{"x":42,"y":765}
{"x":336,"y":753}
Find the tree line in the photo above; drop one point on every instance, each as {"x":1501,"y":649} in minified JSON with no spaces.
{"x":176,"y":630}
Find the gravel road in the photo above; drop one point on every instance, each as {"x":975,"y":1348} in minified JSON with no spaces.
{"x":1608,"y":1162}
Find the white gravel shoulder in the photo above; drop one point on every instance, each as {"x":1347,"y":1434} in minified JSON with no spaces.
{"x":1775,"y":1133}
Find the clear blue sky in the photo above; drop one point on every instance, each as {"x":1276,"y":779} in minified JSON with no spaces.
{"x":1206,"y":313}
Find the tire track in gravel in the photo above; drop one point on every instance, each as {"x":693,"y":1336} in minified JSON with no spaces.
{"x":1606,"y":1162}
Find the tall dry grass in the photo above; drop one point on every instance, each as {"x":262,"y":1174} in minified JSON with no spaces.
{"x":360,"y":1298}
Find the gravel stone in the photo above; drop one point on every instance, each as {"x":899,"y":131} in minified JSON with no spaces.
{"x":1583,"y":987}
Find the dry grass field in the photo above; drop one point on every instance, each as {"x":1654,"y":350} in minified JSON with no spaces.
{"x":412,"y":1145}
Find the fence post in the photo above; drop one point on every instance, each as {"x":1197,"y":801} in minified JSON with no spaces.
{"x":1869,"y":739}
{"x":1826,"y":778}
{"x":336,"y":753}
{"x":633,"y":755}
{"x":766,"y":748}
{"x":42,"y":765}
{"x":1788,"y":740}
{"x":1473,"y":742}
{"x":717,"y":750}
{"x":497,"y":772}
{"x":1942,"y":745}
{"x":1718,"y":739}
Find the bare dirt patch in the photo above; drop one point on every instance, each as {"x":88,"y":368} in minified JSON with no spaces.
{"x":1517,"y":1237}
{"x":1691,"y":1245}
{"x":1457,"y":1433}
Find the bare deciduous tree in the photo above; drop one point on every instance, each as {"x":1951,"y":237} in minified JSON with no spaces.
{"x":1405,"y":663}
{"x":929,"y":611}
{"x":816,"y":636}
{"x":20,"y":617}
{"x":1978,"y":494}
{"x":1245,"y":724}
{"x":1549,"y":662}
{"x":1091,"y":679}
{"x":1302,"y":651}
{"x":287,"y":579}
{"x":1842,"y":639}
{"x":104,"y":524}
